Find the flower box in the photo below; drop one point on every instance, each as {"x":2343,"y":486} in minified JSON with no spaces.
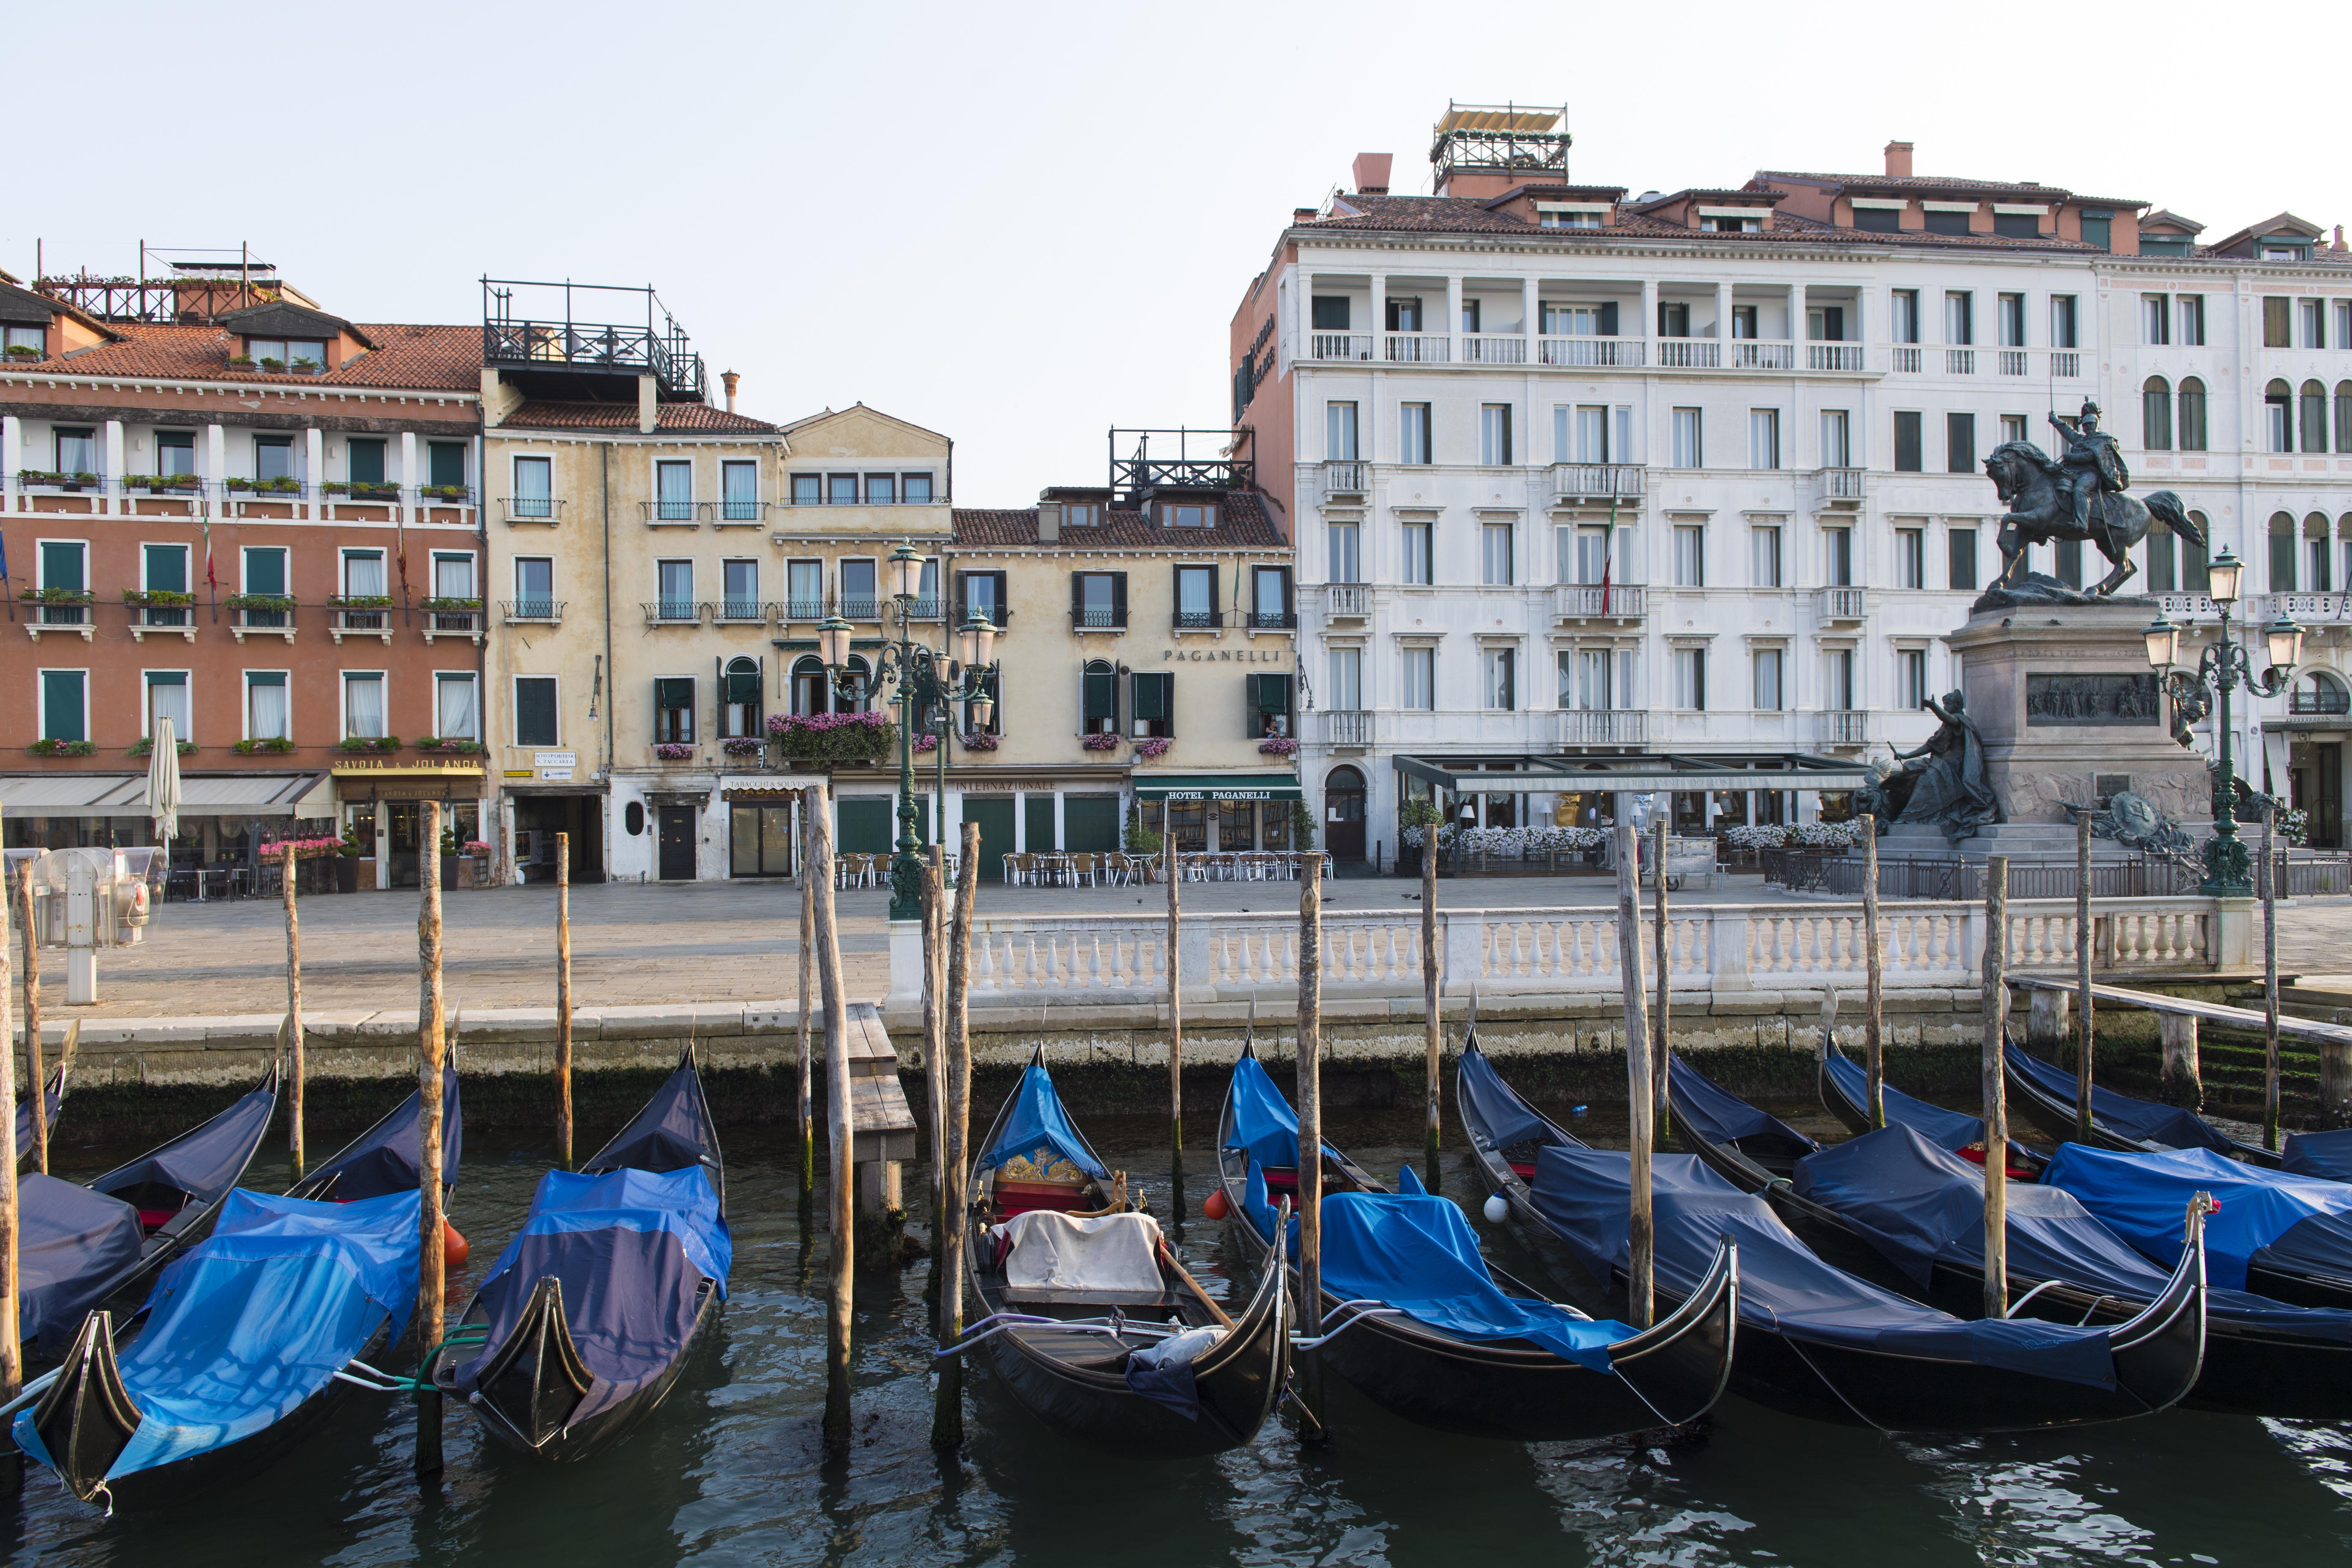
{"x":145,"y":746}
{"x":260,"y":601}
{"x":61,"y":748}
{"x":274,"y":745}
{"x":1157,"y":746}
{"x":156,"y":598}
{"x":358,"y":601}
{"x":369,"y":744}
{"x":1277,"y":745}
{"x":453,"y":746}
{"x":22,"y":351}
{"x":744,"y":745}
{"x":978,"y":741}
{"x":1100,"y":740}
{"x":458,"y":493}
{"x":674,"y":752}
{"x":833,"y":737}
{"x":926,"y":743}
{"x":449,"y":606}
{"x":58,"y":596}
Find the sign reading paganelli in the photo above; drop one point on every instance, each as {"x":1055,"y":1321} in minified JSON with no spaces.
{"x":2093,"y":700}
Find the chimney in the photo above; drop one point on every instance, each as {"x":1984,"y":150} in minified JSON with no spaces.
{"x":1303,"y":215}
{"x":2337,"y":249}
{"x":1371,"y":173}
{"x":1898,"y":160}
{"x":727,"y":378}
{"x":1049,"y":522}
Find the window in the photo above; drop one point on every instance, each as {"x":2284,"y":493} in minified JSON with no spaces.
{"x":804,"y":590}
{"x":1340,"y":430}
{"x":167,"y":698}
{"x":808,"y":490}
{"x":453,"y":574}
{"x":2282,"y":553}
{"x":1910,"y":557}
{"x":1098,"y":600}
{"x":1959,"y":443}
{"x":675,"y":579}
{"x":841,"y":489}
{"x":2013,"y":427}
{"x":1581,"y":435}
{"x":813,"y":688}
{"x":363,"y":460}
{"x":2066,"y":556}
{"x":2162,"y":574}
{"x":1098,"y":696}
{"x":364,"y":574}
{"x":2191,"y":314}
{"x":2011,"y":308}
{"x":265,"y":705}
{"x":1673,"y":319}
{"x":2314,"y":417}
{"x":362,"y":705}
{"x":2310,"y":323}
{"x":2275,"y":334}
{"x":2155,"y":415}
{"x":1730,"y":224}
{"x":739,"y":491}
{"x":265,"y":574}
{"x":1405,"y":313}
{"x":1743,"y":321}
{"x":1494,"y":555}
{"x":456,"y":715}
{"x":295,"y":354}
{"x":1878,"y":220}
{"x":2098,"y":225}
{"x":1553,"y":218}
{"x":2343,"y":416}
{"x":927,"y":590}
{"x":1420,"y":687}
{"x":534,"y":487}
{"x":1690,"y":556}
{"x":164,"y":568}
{"x":2017,"y":225}
{"x":1768,"y":663}
{"x":1825,"y":324}
{"x":1187,"y":514}
{"x":27,"y":335}
{"x":1605,"y":678}
{"x":674,"y":491}
{"x":446,"y":463}
{"x":1690,"y":679}
{"x":983,"y":594}
{"x":1470,"y":315}
{"x":1837,"y":438}
{"x":1959,"y":317}
{"x":859,"y":601}
{"x":1764,"y":549}
{"x":175,"y":452}
{"x":1345,"y":691}
{"x":881,"y":489}
{"x":1584,"y":553}
{"x":1838,"y":671}
{"x":1837,"y":556}
{"x":738,"y":696}
{"x":1961,"y":544}
{"x":1081,"y":514}
{"x":674,"y":712}
{"x":1344,"y":561}
{"x":740,"y":590}
{"x":2316,"y":561}
{"x":1907,"y":315}
{"x":1562,"y":321}
{"x":2155,"y":319}
{"x":914,"y":490}
{"x":1495,"y":434}
{"x":1196,"y":598}
{"x":2344,"y":323}
{"x":1270,"y":608}
{"x":1412,"y":433}
{"x":1418,"y":560}
{"x":534,"y":710}
{"x":273,"y":457}
{"x":1266,"y":710}
{"x":1936,"y":222}
{"x":1154,"y":706}
{"x":1330,"y":313}
{"x":2278,"y":405}
{"x":2062,"y":321}
{"x":1763,"y":437}
{"x":1911,"y":677}
{"x":1909,"y":458}
{"x":2194,"y":576}
{"x":1690,"y":449}
{"x":1501,"y":679}
{"x":65,"y":705}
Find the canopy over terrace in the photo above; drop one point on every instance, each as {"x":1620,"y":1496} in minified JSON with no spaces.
{"x":65,"y":808}
{"x":1705,"y":785}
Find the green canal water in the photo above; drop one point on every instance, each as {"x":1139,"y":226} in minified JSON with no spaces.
{"x":730,"y":1470}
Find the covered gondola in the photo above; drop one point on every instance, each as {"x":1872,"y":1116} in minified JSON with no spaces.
{"x":1090,"y":1320}
{"x":2327,"y":1154}
{"x":250,"y":1345}
{"x":55,"y":1095}
{"x":1845,"y":1093}
{"x":1420,"y":1323}
{"x":1814,"y":1339}
{"x":587,"y":1318}
{"x":386,"y":1157}
{"x":2046,"y":1094}
{"x":82,"y":1247}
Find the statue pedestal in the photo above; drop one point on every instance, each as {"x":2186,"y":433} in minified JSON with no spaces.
{"x":2069,"y":710}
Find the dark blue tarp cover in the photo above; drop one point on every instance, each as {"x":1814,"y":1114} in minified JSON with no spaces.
{"x":2167,"y":1125}
{"x":1718,"y":1116}
{"x":1950,"y":1129}
{"x":2327,"y":1154}
{"x":73,"y":1242}
{"x":57,"y":1098}
{"x":385,"y":1160}
{"x":672,"y":1133}
{"x":1263,"y":1122}
{"x":1784,"y":1289}
{"x":1035,"y":1119}
{"x":208,"y":1162}
{"x":1489,"y":1104}
{"x":1915,"y":1202}
{"x":259,"y":1317}
{"x":2144,"y":1198}
{"x":632,"y":1248}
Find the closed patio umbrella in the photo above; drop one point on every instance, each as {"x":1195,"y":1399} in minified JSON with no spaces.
{"x":164,"y":787}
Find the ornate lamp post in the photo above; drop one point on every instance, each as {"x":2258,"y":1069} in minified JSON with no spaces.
{"x":924,"y":678}
{"x":2221,"y":668}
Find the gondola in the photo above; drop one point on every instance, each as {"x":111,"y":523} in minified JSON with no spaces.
{"x":2327,"y":1154}
{"x":1417,"y":1321}
{"x":2046,"y":1095}
{"x":1092,"y":1324}
{"x":1846,"y":1091}
{"x":1814,"y":1339}
{"x":1903,"y":1208}
{"x":82,"y":1247}
{"x":55,"y":1094}
{"x":587,"y":1318}
{"x":384,"y":1158}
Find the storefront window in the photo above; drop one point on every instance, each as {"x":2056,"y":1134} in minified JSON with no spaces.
{"x":1234,"y":826}
{"x":1187,"y":825}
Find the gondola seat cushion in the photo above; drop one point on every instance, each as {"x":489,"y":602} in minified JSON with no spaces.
{"x":1107,"y":1257}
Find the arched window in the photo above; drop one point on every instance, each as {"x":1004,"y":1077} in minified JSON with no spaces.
{"x":739,"y":698}
{"x":2193,"y":415}
{"x":2194,"y":576}
{"x":2344,"y":415}
{"x":812,"y":687}
{"x":2282,"y":552}
{"x":2316,"y":550}
{"x":2314,"y":417}
{"x":2155,"y":415}
{"x":1099,"y":698}
{"x":2319,"y":691}
{"x":860,"y":695}
{"x":2278,"y":410}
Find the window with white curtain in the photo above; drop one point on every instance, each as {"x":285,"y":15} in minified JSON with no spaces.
{"x":1763,"y":437}
{"x":364,"y":574}
{"x":1420,"y":678}
{"x":456,"y":715}
{"x":1347,"y":686}
{"x":1584,"y":553}
{"x":1340,"y":432}
{"x":1346,"y":564}
{"x":1502,"y":677}
{"x":1690,"y":679}
{"x":1412,"y":433}
{"x":453,"y":575}
{"x":362,"y":706}
{"x":1604,"y":678}
{"x":1768,"y":667}
{"x":1764,"y":542}
{"x":1837,"y":438}
{"x":1495,"y":553}
{"x":167,"y":698}
{"x":265,"y":705}
{"x":1689,"y":452}
{"x":1495,"y":434}
{"x":1690,"y":556}
{"x":1417,"y":556}
{"x":674,"y":490}
{"x":1911,"y":671}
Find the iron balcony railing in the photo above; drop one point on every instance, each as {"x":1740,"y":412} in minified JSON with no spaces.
{"x":1272,"y":620}
{"x":805,"y":609}
{"x":751,"y":610}
{"x":531,"y":509}
{"x":675,"y":612}
{"x":1092,"y":618}
{"x":673,"y":509}
{"x":532,"y":609}
{"x":860,"y":607}
{"x":2326,"y":699}
{"x":1200,"y":620}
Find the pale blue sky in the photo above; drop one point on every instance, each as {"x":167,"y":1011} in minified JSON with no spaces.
{"x":1021,"y":225}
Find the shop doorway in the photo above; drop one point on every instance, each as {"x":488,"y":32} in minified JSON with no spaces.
{"x":2316,"y":781}
{"x":1343,"y":814}
{"x":995,"y":819}
{"x":540,"y":817}
{"x":401,"y":820}
{"x":676,"y":855}
{"x":759,"y":840}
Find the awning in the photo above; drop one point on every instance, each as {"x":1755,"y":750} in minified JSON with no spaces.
{"x":125,"y":794}
{"x":1217,"y":786}
{"x":1641,"y":774}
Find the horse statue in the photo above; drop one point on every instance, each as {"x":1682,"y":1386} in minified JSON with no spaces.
{"x":2042,"y":508}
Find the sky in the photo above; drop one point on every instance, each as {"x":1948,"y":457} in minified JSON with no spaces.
{"x":1023,"y":224}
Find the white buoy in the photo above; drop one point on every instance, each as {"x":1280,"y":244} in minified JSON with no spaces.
{"x":1497,"y":1211}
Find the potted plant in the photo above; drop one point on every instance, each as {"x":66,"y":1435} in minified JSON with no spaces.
{"x":371,"y":745}
{"x":744,"y":745}
{"x":22,"y":351}
{"x":163,"y":598}
{"x":673,"y":750}
{"x":305,"y":365}
{"x":978,"y":741}
{"x":56,"y":595}
{"x":145,"y":745}
{"x":449,"y":606}
{"x":365,"y":490}
{"x":1277,"y":746}
{"x":1142,"y":840}
{"x":237,"y":484}
{"x":1153,"y":748}
{"x":444,"y":492}
{"x":242,"y":361}
{"x":272,"y":365}
{"x":48,"y":748}
{"x":926,"y":743}
{"x":261,"y":602}
{"x":358,"y":601}
{"x":833,"y":737}
{"x":1100,"y":740}
{"x":277,"y":745}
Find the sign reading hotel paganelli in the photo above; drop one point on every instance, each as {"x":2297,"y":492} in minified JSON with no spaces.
{"x":1224,"y":655}
{"x":2093,"y":700}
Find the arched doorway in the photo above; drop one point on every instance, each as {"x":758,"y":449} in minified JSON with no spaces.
{"x":1343,"y":814}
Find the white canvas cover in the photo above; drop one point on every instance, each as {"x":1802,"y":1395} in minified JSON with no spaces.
{"x":1053,"y":1252}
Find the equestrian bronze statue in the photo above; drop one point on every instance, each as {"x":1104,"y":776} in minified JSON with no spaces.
{"x":2079,"y":496}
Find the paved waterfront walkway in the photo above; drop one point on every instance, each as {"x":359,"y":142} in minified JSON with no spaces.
{"x":637,"y":945}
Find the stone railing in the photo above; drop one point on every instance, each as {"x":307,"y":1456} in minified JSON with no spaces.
{"x":1722,"y":948}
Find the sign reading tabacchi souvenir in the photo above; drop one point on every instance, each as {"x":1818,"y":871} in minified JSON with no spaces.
{"x":2093,"y":700}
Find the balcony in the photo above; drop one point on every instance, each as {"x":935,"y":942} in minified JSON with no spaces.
{"x":1097,"y":618}
{"x":1417,"y":348}
{"x":1343,"y":479}
{"x":1596,"y":482}
{"x":1842,"y":727}
{"x":1494,"y":349}
{"x":1840,"y":604}
{"x":737,"y":513}
{"x":803,"y":609}
{"x":1590,"y":354}
{"x":1906,"y":359}
{"x":742,"y":612}
{"x":675,"y":613}
{"x":1340,"y":345}
{"x":1347,"y":601}
{"x":368,"y":621}
{"x":673,"y":513}
{"x":1959,"y":361}
{"x":1198,"y":620}
{"x":1689,"y":353}
{"x":1841,"y":488}
{"x":2065,"y":364}
{"x":271,"y":620}
{"x":1833,"y":356}
{"x":535,"y":334}
{"x":1603,"y":727}
{"x":540,"y":612}
{"x":921,"y":609}
{"x":1349,"y":727}
{"x":530,"y":509}
{"x":2012,"y":362}
{"x":67,"y":617}
{"x":454,"y":623}
{"x":2327,"y":701}
{"x":860,"y":607}
{"x":1746,"y":353}
{"x":165,"y":620}
{"x":1272,"y":620}
{"x":1599,"y":602}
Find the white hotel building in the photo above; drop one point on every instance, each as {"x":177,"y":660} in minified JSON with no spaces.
{"x":1574,"y":475}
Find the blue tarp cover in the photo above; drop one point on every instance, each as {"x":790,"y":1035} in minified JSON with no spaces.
{"x":1948,"y":1129}
{"x":1036,"y":1119}
{"x":385,"y":1160}
{"x":259,"y":1317}
{"x":2144,"y":1198}
{"x":1784,"y":1289}
{"x":2167,"y":1125}
{"x":2327,"y":1154}
{"x":207,"y":1161}
{"x":672,"y":1133}
{"x":1487,"y":1103}
{"x":632,"y":1248}
{"x":1263,"y":1122}
{"x":72,"y":1243}
{"x":1720,"y":1117}
{"x":57,"y":1098}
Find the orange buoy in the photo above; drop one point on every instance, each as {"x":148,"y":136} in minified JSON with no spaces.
{"x":454,"y":1248}
{"x":1216,"y":1206}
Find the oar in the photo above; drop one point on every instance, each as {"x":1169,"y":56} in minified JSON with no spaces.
{"x":1168,"y":1255}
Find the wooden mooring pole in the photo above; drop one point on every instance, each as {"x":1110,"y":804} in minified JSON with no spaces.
{"x":842,"y":1200}
{"x":1873,"y":1007}
{"x":1432,"y":981}
{"x":1995,"y":986}
{"x":947,"y":1410}
{"x":1642,"y":1236}
{"x":812,"y":809}
{"x":34,"y":1077}
{"x":1175,"y":1032}
{"x":2085,"y":947}
{"x":563,"y":1000}
{"x":430,"y":1021}
{"x":12,"y":1350}
{"x":293,"y":1022}
{"x":1310,"y":1138}
{"x":1661,"y":1039}
{"x":2270,"y":989}
{"x":935,"y":1064}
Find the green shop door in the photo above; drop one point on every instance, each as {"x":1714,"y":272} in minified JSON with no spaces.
{"x":1092,"y":821}
{"x":995,"y":819}
{"x":863,"y":827}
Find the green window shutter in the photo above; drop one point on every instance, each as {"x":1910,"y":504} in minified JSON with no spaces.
{"x":1119,"y":598}
{"x":265,"y":571}
{"x":61,"y":566}
{"x":742,"y":686}
{"x":167,"y":678}
{"x":448,"y":462}
{"x":167,"y":568}
{"x":1101,"y":699}
{"x":366,"y":461}
{"x":61,"y":705}
{"x":1039,"y":810}
{"x":265,"y":677}
{"x":672,"y":693}
{"x":1151,"y":697}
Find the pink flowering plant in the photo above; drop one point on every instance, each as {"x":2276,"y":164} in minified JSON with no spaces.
{"x":833,"y":737}
{"x":304,"y":848}
{"x":1155,"y":747}
{"x":926,"y":743}
{"x":1100,"y":740}
{"x":674,"y":752}
{"x":1277,"y":745}
{"x":979,"y":741}
{"x":743,"y":746}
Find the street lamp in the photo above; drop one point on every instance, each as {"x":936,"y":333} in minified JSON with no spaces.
{"x":2222,"y":667}
{"x":925,"y":678}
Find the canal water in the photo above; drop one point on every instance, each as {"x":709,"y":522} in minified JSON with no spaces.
{"x":730,"y":1470}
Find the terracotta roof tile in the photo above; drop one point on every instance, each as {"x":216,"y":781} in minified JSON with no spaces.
{"x":1454,"y":214}
{"x":539,"y":415}
{"x":1242,"y":525}
{"x":431,"y":358}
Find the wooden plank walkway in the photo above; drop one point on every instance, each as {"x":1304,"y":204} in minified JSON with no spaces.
{"x":2249,"y":1019}
{"x":882,"y":1124}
